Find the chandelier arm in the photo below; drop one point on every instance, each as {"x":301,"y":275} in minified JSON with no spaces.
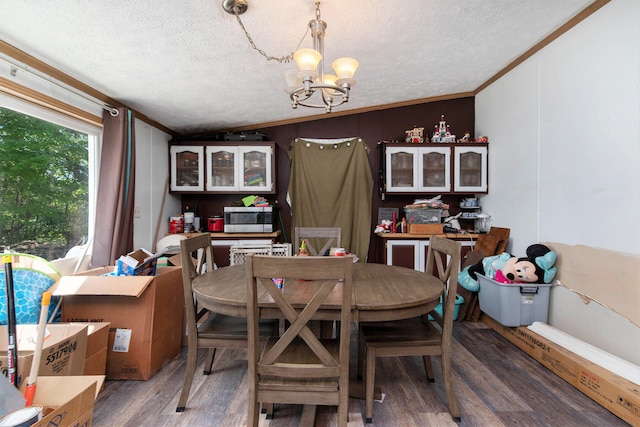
{"x":299,"y":96}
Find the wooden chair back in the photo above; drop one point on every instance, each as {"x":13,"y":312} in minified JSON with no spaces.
{"x":318,"y":237}
{"x":297,"y":367}
{"x":200,"y":247}
{"x":443,"y":260}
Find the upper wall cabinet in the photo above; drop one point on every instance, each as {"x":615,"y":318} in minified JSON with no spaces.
{"x":187,"y":167}
{"x":434,"y":168}
{"x":470,"y":169}
{"x":233,"y":168}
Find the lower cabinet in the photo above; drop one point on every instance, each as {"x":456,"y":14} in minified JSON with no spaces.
{"x":412,"y":253}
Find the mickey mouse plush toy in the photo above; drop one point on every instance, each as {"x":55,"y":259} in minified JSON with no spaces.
{"x":536,"y":267}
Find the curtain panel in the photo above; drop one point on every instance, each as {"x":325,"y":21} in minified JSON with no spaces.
{"x":114,"y":210}
{"x":331,"y":185}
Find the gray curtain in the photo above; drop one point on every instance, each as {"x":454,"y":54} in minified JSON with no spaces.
{"x":331,"y":185}
{"x":114,"y":211}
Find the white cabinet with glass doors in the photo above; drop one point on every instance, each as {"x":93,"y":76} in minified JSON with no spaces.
{"x":187,"y":167}
{"x":240,"y":168}
{"x":470,"y":169}
{"x":427,"y":168}
{"x":223,"y":167}
{"x":418,"y":169}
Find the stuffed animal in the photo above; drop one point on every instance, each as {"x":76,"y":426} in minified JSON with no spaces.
{"x":536,"y":267}
{"x":384,"y":227}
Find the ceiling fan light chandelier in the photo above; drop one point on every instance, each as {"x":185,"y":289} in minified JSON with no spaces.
{"x":308,"y":85}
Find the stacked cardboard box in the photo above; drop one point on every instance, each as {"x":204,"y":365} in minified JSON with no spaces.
{"x":69,"y":350}
{"x":145,"y":313}
{"x":63,"y":351}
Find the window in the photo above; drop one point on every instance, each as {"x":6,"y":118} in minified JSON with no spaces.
{"x":48,"y":179}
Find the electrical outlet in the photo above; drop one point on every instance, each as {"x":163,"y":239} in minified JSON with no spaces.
{"x":136,"y":212}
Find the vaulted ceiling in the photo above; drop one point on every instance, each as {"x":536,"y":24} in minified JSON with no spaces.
{"x":189,"y":66}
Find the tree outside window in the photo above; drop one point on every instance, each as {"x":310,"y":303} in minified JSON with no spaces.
{"x":44,"y":179}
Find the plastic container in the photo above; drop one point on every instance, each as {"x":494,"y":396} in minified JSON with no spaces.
{"x":458,"y":303}
{"x":423,"y":216}
{"x":514,"y":304}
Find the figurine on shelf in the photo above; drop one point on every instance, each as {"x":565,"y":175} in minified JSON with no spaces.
{"x":466,"y":137}
{"x":414,"y":135}
{"x":442,"y":132}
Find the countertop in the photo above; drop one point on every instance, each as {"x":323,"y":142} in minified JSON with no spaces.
{"x":407,"y":236}
{"x":220,"y":235}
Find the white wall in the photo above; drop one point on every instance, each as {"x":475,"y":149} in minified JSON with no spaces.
{"x":152,"y":172}
{"x":564,"y":144}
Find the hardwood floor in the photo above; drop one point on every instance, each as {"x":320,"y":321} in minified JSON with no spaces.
{"x":495,"y":382}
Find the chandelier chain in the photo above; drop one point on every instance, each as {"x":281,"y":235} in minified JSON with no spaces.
{"x":281,"y":59}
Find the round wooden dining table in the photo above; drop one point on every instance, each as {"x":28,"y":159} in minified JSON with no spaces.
{"x":380,"y":292}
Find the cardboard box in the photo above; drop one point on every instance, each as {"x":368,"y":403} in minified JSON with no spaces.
{"x":97,"y":341}
{"x":619,"y":395}
{"x":63,"y":351}
{"x":67,"y":401}
{"x":137,"y":263}
{"x":24,"y":362}
{"x":426,"y":229}
{"x":145,"y":313}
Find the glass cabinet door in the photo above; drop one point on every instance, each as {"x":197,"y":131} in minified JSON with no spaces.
{"x":470,"y":165}
{"x":435,"y":169}
{"x":221,"y":168}
{"x":187,"y":168}
{"x":255,"y":170}
{"x":401,"y":169}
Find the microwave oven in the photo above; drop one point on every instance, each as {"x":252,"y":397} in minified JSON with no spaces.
{"x":250,"y":219}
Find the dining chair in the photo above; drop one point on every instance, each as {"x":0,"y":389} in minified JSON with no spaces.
{"x":316,"y":236}
{"x":417,"y":336}
{"x":297,"y":367}
{"x":206,"y":329}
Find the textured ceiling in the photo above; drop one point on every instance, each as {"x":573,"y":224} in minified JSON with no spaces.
{"x":189,"y":66}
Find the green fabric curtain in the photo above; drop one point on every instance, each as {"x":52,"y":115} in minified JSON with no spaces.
{"x":331,"y":185}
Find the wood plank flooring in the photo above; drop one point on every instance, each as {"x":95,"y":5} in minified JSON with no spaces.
{"x":495,"y":382}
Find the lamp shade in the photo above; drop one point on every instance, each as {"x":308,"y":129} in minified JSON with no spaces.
{"x":345,"y":68}
{"x":330,"y":79}
{"x":292,"y":79}
{"x":307,"y":59}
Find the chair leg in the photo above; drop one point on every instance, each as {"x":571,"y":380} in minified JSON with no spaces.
{"x":268,"y":409}
{"x":192,"y":359}
{"x":369,"y":383}
{"x":361,"y":351}
{"x":209,"y":364}
{"x":428,"y":368}
{"x":254,"y":410}
{"x":448,"y":386}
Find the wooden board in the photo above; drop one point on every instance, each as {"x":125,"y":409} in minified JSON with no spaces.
{"x":425,"y":228}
